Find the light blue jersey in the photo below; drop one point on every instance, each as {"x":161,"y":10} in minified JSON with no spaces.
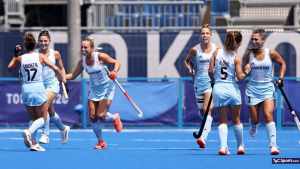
{"x":260,"y":86}
{"x":225,"y":67}
{"x":226,"y":91}
{"x":33,"y":90}
{"x":100,"y":87}
{"x":50,"y":80}
{"x":201,"y":65}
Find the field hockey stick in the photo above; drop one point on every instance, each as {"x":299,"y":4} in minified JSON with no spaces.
{"x":125,"y":93}
{"x":135,"y":106}
{"x":292,"y":111}
{"x":65,"y":93}
{"x":199,"y":133}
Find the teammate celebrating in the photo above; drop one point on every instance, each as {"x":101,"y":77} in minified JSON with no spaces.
{"x":197,"y":63}
{"x":260,"y":88}
{"x":33,"y":90}
{"x":225,"y":66}
{"x":101,"y":90}
{"x":52,"y":87}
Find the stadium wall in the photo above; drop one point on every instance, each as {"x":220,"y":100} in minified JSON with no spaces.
{"x":150,"y":54}
{"x":155,"y":54}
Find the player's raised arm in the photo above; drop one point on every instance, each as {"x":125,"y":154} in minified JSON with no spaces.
{"x":238,"y":69}
{"x":188,"y":60}
{"x":76,"y":72}
{"x":14,"y":62}
{"x":60,"y":64}
{"x":109,"y":60}
{"x":46,"y":61}
{"x":15,"y":59}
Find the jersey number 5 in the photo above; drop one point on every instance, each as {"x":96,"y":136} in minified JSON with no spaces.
{"x":31,"y":74}
{"x":224,"y":73}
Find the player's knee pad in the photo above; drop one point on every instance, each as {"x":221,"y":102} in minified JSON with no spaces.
{"x":200,"y":101}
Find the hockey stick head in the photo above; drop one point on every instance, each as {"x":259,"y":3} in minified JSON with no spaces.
{"x":140,"y":115}
{"x":296,"y":119}
{"x":196,"y":135}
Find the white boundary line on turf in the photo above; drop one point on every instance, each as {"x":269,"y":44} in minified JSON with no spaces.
{"x":141,"y":130}
{"x":111,"y":130}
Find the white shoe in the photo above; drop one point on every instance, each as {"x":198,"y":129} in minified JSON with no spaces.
{"x":37,"y":147}
{"x":27,"y":138}
{"x":253,"y":131}
{"x":65,"y":135}
{"x":44,"y":139}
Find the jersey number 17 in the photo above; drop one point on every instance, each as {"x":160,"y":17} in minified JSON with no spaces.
{"x":31,"y":74}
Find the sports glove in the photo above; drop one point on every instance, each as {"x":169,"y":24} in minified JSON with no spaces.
{"x":279,"y":82}
{"x":112,"y":75}
{"x":18,"y":50}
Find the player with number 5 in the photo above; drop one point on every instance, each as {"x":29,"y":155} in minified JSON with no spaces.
{"x":225,"y":67}
{"x":33,"y":91}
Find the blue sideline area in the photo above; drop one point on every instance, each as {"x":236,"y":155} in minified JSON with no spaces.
{"x":145,"y":149}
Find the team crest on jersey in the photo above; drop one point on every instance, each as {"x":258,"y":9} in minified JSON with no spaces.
{"x":203,"y":60}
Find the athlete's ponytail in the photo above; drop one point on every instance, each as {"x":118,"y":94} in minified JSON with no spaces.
{"x":232,"y":40}
{"x":29,"y":41}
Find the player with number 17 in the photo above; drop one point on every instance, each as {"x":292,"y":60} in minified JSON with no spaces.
{"x":33,"y":90}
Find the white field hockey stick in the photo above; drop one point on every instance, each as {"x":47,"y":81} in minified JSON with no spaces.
{"x":135,"y":106}
{"x":65,"y":93}
{"x":292,"y":111}
{"x":131,"y":101}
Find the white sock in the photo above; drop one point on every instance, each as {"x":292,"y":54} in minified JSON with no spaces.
{"x":110,"y":116}
{"x":223,"y":134}
{"x":238,"y":131}
{"x":207,"y":126}
{"x":97,"y":128}
{"x":29,"y":123}
{"x":57,"y":121}
{"x":271,"y":130}
{"x":33,"y":136}
{"x":46,"y":129}
{"x":36,"y":124}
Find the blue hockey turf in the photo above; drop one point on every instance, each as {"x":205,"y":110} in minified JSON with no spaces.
{"x":146,"y":149}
